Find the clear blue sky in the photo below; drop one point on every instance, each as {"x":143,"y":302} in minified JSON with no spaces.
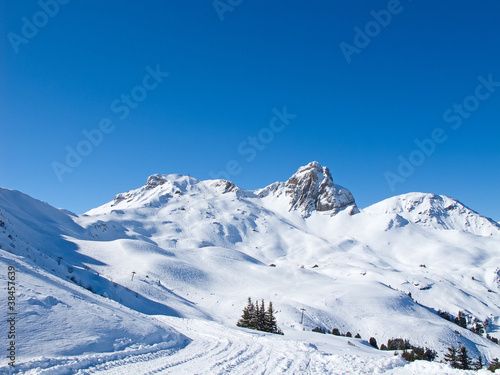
{"x":228,"y":70}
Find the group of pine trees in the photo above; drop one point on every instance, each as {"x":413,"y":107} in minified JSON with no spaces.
{"x":459,"y":358}
{"x":479,"y":328}
{"x":256,"y":316}
{"x":410,"y":352}
{"x":459,"y":320}
{"x":335,"y":332}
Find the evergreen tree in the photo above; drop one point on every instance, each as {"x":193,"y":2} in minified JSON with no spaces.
{"x":478,"y":329}
{"x":494,"y":365}
{"x":451,"y":357}
{"x":247,"y":316}
{"x":462,"y":322}
{"x":408,"y":355}
{"x":255,"y":316}
{"x":398,"y":344}
{"x":419,"y":353}
{"x":430,"y":354}
{"x":271,"y":323}
{"x":261,"y":316}
{"x":254,"y":320}
{"x":373,"y":342}
{"x":479,"y":364}
{"x":318,"y":329}
{"x":464,"y":361}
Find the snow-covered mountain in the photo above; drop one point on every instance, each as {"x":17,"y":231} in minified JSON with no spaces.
{"x":435,"y":211}
{"x":193,"y":249}
{"x":312,"y":189}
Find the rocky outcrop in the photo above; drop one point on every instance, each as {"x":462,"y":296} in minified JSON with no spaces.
{"x":310,"y":189}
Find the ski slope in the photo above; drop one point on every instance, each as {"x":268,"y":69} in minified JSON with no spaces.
{"x":214,"y":349}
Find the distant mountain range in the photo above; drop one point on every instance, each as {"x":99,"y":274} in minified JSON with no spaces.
{"x":197,"y":249}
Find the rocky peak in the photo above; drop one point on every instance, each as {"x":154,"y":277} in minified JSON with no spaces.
{"x":154,"y":181}
{"x":225,"y":186}
{"x":311,"y":188}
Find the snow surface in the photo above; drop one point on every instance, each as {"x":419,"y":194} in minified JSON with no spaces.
{"x":171,"y":264}
{"x":216,"y":349}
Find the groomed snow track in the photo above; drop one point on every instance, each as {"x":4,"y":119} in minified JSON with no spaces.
{"x":215,"y":349}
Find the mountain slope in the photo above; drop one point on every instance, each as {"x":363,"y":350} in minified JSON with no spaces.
{"x":56,"y":317}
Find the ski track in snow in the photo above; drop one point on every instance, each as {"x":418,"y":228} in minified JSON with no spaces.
{"x":216,"y":350}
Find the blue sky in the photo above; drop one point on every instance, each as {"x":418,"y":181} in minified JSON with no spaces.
{"x":412,"y":71}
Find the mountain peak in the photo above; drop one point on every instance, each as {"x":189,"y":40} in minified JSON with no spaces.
{"x":314,"y":165}
{"x":436,"y":211}
{"x":154,"y":181}
{"x":310,"y":189}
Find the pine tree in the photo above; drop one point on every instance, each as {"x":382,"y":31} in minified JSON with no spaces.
{"x":319,"y":330}
{"x":261,"y":317}
{"x":254,"y":320}
{"x":451,"y":357}
{"x":464,"y":360}
{"x":247,"y":316}
{"x":494,"y":365}
{"x":462,"y":322}
{"x":271,"y":324}
{"x":430,"y":354}
{"x":479,"y":364}
{"x":373,"y":342}
{"x":479,"y":329}
{"x":408,"y":355}
{"x":255,"y":316}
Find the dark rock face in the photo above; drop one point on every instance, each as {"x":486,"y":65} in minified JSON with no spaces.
{"x":154,"y":181}
{"x":225,"y":186}
{"x":312,"y":189}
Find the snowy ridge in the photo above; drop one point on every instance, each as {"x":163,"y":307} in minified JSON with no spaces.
{"x":193,"y":249}
{"x":435,"y":211}
{"x":310,"y":189}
